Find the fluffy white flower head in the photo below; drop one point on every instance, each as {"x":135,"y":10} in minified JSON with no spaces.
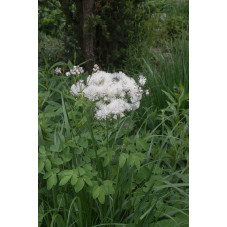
{"x":77,"y":88}
{"x":113,"y":93}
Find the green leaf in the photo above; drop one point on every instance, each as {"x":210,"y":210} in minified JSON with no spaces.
{"x":181,"y":98}
{"x":95,"y":192}
{"x":79,"y":185}
{"x":57,"y":161}
{"x":55,"y":170}
{"x":106,"y":160}
{"x":53,"y":148}
{"x":65,"y":118}
{"x":101,"y":196}
{"x":131,"y":148}
{"x":83,"y":142}
{"x":74,"y":179}
{"x":87,"y":180}
{"x":67,"y":156}
{"x":169,"y":96}
{"x":67,"y":172}
{"x":42,"y":150}
{"x":142,"y":145}
{"x":64,"y":180}
{"x":48,"y":165}
{"x":48,"y":174}
{"x":131,"y":160}
{"x":70,"y":65}
{"x":137,"y":162}
{"x":40,"y":165}
{"x":78,"y":150}
{"x":108,"y":185}
{"x":52,"y":180}
{"x":81,"y":171}
{"x":122,"y":160}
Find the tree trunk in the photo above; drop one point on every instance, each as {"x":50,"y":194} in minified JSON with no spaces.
{"x":88,"y":35}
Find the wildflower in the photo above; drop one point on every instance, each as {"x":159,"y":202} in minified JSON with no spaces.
{"x":67,"y":73}
{"x":77,"y":88}
{"x":96,"y":68}
{"x":77,"y":70}
{"x":176,"y":89}
{"x":113,"y":93}
{"x":58,"y":70}
{"x":72,"y":72}
{"x":147,"y":92}
{"x":142,"y":80}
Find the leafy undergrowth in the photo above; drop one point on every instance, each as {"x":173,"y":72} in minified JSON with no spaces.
{"x":131,"y":171}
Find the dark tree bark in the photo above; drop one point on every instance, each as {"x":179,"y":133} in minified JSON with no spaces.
{"x":85,"y":35}
{"x":88,"y":35}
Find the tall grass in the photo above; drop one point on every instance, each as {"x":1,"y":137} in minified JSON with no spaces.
{"x":163,"y":70}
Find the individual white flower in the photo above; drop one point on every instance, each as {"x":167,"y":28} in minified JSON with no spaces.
{"x":72,"y":72}
{"x":77,"y":88}
{"x":67,"y":73}
{"x":95,"y":68}
{"x":142,"y":80}
{"x":147,"y":92}
{"x":58,"y":70}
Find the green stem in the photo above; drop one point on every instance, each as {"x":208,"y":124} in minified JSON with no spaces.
{"x":54,"y":197}
{"x":107,"y":146}
{"x":126,"y":134}
{"x":93,"y":142}
{"x":118,"y":168}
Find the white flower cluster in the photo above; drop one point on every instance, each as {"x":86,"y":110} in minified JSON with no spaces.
{"x":114,"y":93}
{"x":58,"y":70}
{"x":77,"y":70}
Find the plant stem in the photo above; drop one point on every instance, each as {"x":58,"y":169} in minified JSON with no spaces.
{"x":107,"y":146}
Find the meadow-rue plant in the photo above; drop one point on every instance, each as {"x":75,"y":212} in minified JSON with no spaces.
{"x":113,"y":93}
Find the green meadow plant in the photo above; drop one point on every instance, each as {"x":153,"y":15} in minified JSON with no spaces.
{"x":126,"y":169}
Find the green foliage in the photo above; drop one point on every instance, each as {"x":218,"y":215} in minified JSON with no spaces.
{"x":139,"y":176}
